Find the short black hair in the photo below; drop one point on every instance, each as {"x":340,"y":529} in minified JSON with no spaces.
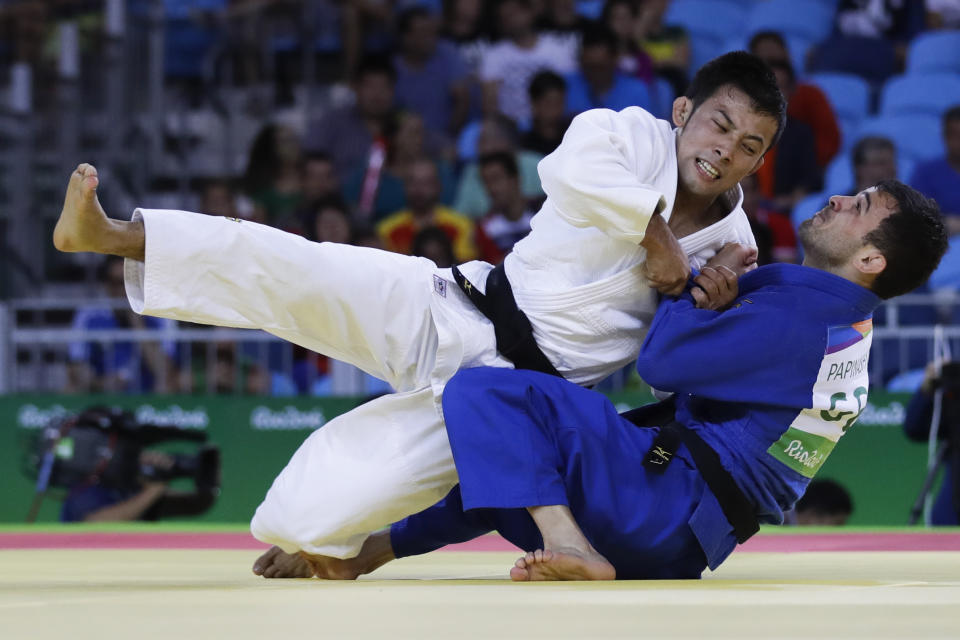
{"x":951,"y":114}
{"x":826,"y":497}
{"x":858,"y":154}
{"x":599,"y":34}
{"x":503,"y":158}
{"x":760,"y":36}
{"x":376,"y":64}
{"x":544,"y":82}
{"x":749,"y":74}
{"x":912,"y":239}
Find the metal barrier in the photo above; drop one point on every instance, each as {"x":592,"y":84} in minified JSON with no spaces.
{"x":35,"y":351}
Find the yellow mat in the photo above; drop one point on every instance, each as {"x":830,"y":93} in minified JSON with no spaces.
{"x":74,"y":595}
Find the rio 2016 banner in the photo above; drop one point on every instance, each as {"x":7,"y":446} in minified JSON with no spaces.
{"x":257,"y":435}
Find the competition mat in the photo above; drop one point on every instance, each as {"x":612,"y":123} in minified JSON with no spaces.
{"x":185,"y":581}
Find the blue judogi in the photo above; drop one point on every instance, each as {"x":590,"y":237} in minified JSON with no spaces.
{"x":771,"y":384}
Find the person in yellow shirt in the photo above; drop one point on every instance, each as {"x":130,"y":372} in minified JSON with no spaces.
{"x":422,"y":188}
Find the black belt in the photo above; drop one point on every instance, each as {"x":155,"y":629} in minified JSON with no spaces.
{"x":512,"y":328}
{"x":736,"y":507}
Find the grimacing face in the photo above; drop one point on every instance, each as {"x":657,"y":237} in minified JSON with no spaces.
{"x":720,"y":142}
{"x":833,"y":235}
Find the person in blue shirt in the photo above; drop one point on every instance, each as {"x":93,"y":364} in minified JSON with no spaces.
{"x":598,"y":83}
{"x":940,"y":178}
{"x":768,"y":386}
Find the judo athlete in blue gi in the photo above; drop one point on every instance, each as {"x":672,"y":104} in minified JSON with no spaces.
{"x":770,"y":385}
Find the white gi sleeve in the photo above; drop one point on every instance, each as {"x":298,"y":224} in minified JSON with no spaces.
{"x":602,"y":173}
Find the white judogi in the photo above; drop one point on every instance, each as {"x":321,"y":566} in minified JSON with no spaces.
{"x":576,"y":276}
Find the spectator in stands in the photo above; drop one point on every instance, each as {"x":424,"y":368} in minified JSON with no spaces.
{"x":273,"y":176}
{"x":497,"y":134}
{"x":434,"y":244}
{"x":874,"y":159}
{"x":319,"y":181}
{"x":824,"y":503}
{"x":790,"y":170}
{"x":894,"y":20}
{"x":367,"y":29}
{"x":330,"y":222}
{"x":940,"y":178}
{"x":620,"y":16}
{"x":217,"y":198}
{"x":349,"y":133}
{"x":431,"y":77}
{"x":508,"y":220}
{"x":118,"y":366}
{"x":381,"y":192}
{"x":917,"y":424}
{"x":943,"y":14}
{"x":773,"y":231}
{"x":598,"y":83}
{"x":667,"y":45}
{"x":466,"y":26}
{"x":806,"y":102}
{"x":561,"y":20}
{"x":423,"y":210}
{"x":507,"y":67}
{"x":548,"y":105}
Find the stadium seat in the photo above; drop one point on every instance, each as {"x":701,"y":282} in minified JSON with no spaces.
{"x":838,"y":178}
{"x":663,"y":96}
{"x":917,"y":137}
{"x":925,"y":93}
{"x":933,"y":52}
{"x":714,"y":19}
{"x":873,"y":59}
{"x":809,"y":19}
{"x":808,"y":207}
{"x":849,"y":95}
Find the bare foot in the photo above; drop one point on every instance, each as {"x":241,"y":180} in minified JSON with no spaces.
{"x":562,"y":564}
{"x":275,"y":563}
{"x":82,"y":219}
{"x":329,"y":568}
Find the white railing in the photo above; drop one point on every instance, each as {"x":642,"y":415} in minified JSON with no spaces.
{"x":34,"y":353}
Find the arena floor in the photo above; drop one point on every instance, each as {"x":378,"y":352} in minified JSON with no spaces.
{"x":106,"y":584}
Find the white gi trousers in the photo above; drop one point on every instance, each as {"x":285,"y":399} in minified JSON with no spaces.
{"x":380,"y":462}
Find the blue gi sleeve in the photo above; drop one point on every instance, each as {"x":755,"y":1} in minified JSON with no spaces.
{"x":444,"y":523}
{"x":755,"y":351}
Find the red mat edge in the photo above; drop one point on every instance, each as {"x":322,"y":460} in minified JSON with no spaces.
{"x":780,"y":543}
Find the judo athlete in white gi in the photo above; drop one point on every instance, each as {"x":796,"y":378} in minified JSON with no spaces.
{"x":621,"y":188}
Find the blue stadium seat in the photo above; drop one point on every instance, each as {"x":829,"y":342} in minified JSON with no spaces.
{"x":808,"y":207}
{"x":928,"y":93}
{"x":934,"y":51}
{"x":873,"y":59}
{"x":838,"y":178}
{"x":663,"y":96}
{"x":714,"y":19}
{"x":809,"y":19}
{"x":849,"y":95}
{"x":917,"y":137}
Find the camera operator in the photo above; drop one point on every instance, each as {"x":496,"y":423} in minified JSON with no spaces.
{"x":151,"y":500}
{"x":102,"y":458}
{"x":917,"y":425}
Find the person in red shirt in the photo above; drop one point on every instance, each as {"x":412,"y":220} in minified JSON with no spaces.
{"x":807,"y":103}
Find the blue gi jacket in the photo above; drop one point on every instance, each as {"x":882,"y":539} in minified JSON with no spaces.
{"x":771,"y":384}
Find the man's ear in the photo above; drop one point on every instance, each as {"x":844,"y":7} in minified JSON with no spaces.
{"x":682,"y":108}
{"x":870,"y":262}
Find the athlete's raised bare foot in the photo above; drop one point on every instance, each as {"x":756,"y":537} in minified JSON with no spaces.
{"x":84,"y":226}
{"x":275,"y":563}
{"x":82,"y":219}
{"x":562,"y":564}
